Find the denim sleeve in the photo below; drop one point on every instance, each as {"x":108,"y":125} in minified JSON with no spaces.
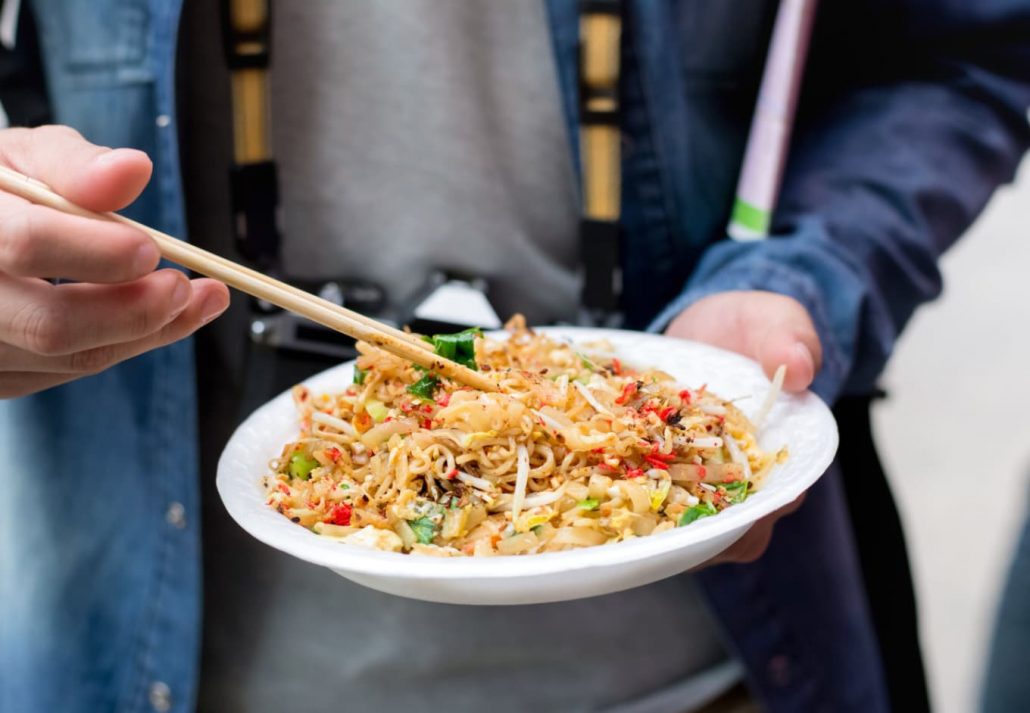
{"x":912,"y":113}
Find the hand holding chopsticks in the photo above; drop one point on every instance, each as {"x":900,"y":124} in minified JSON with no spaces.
{"x":353,"y":324}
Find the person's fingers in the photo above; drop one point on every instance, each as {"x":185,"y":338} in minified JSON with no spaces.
{"x":94,"y":177}
{"x":40,"y":242}
{"x":209,"y":299}
{"x":749,"y":547}
{"x":755,"y":541}
{"x":772,"y":329}
{"x":62,"y":319}
{"x":791,"y":341}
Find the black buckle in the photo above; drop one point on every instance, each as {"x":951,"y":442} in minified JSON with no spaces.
{"x":589,"y":114}
{"x":247,"y":47}
{"x":254,"y":193}
{"x":598,"y":104}
{"x":602,"y":273}
{"x":600,"y":7}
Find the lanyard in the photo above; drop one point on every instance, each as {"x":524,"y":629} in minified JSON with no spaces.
{"x":253,"y":181}
{"x":600,"y":28}
{"x":762,"y":171}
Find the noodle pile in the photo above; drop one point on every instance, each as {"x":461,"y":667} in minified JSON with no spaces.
{"x":575,"y":450}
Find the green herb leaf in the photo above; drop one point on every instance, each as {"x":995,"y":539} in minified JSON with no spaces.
{"x":459,"y":347}
{"x":425,"y":530}
{"x":359,"y":375}
{"x":587,"y":364}
{"x":588,"y":504}
{"x":737,"y":490}
{"x":301,"y":465}
{"x":696,"y":513}
{"x":424,"y":387}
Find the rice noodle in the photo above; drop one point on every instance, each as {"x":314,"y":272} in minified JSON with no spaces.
{"x":480,"y":483}
{"x":521,"y":480}
{"x":338,"y":423}
{"x":770,"y":398}
{"x":594,"y":403}
{"x":737,"y":455}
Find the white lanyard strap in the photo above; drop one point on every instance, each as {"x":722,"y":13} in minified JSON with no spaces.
{"x":766,"y":153}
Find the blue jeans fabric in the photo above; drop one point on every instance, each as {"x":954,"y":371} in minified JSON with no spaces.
{"x":900,"y":141}
{"x":1006,"y":686}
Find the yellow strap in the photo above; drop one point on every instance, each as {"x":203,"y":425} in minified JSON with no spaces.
{"x":250,"y":95}
{"x":599,"y":143}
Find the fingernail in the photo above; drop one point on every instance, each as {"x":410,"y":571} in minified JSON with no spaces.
{"x":805,"y":355}
{"x":213,"y":306}
{"x":106,"y":157}
{"x":146,"y":257}
{"x":112,"y":155}
{"x":181,"y":294}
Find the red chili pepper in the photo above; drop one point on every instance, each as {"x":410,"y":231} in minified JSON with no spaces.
{"x":616,"y":366}
{"x":627,"y":393}
{"x":702,"y":472}
{"x":635,"y":473}
{"x":334,"y":454}
{"x":444,"y":399}
{"x":685,"y":396}
{"x":666,"y":412}
{"x":598,"y":450}
{"x":657,"y":462}
{"x":428,"y":408}
{"x":407,"y":407}
{"x":451,"y":474}
{"x":427,"y":423}
{"x":340,"y":514}
{"x":664,"y":457}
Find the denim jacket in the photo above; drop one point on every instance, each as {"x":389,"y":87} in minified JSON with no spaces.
{"x":913,"y":111}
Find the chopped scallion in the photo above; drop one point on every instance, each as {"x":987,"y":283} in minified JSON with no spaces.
{"x":696,"y":513}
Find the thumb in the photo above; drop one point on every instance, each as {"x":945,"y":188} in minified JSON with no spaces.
{"x":788,"y":337}
{"x":770,"y":328}
{"x":94,"y":177}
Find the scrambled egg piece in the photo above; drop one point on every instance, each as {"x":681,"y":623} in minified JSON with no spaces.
{"x":373,"y":537}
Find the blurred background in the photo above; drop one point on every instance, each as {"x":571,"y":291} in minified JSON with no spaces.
{"x":954,"y":435}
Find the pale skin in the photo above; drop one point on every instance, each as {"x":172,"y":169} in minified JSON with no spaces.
{"x":120,"y":306}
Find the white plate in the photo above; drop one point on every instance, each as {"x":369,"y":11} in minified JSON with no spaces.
{"x":802,"y":422}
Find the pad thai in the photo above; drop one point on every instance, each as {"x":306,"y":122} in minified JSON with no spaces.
{"x":576,"y":449}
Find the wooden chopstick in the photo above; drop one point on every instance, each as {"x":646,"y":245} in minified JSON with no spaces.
{"x":402,"y":344}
